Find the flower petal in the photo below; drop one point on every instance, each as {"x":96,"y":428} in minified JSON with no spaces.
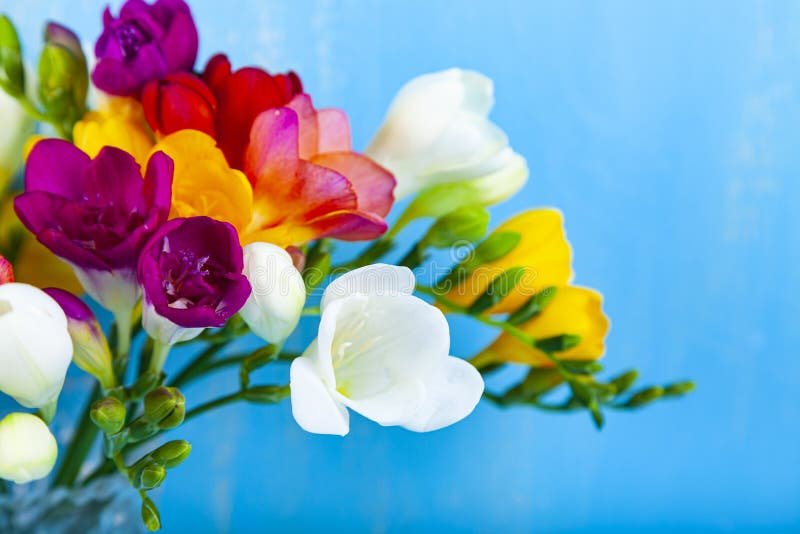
{"x":453,"y":389}
{"x":313,"y":407}
{"x":56,"y":166}
{"x":377,"y":279}
{"x":334,"y":131}
{"x":372,"y":183}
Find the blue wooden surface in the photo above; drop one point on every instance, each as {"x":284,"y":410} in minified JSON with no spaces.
{"x":667,"y":132}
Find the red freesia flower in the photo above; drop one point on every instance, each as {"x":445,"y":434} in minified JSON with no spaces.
{"x":241,"y":96}
{"x":178,"y":102}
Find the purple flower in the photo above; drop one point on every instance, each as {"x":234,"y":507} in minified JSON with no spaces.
{"x":146,"y":42}
{"x":191,"y":273}
{"x":96,"y":214}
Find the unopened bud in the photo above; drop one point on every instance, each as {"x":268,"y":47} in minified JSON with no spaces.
{"x":464,"y":224}
{"x":645,"y":396}
{"x":108,"y":415}
{"x":172,"y":454}
{"x":150,"y":515}
{"x":161,"y":403}
{"x":151,"y":477}
{"x":12,"y":73}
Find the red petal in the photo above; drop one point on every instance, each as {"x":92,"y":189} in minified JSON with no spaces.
{"x":6,"y":271}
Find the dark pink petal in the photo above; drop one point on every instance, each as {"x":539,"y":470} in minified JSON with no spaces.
{"x":373,"y":184}
{"x":158,"y":183}
{"x":56,"y":166}
{"x":180,"y":43}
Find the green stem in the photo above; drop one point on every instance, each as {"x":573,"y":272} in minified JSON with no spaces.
{"x":314,"y":310}
{"x":82,"y":442}
{"x":192,"y":368}
{"x":211,"y":405}
{"x":506,"y":327}
{"x":159,"y":357}
{"x":34,"y":112}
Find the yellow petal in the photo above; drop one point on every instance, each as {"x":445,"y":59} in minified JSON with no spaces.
{"x":543,"y":251}
{"x":573,"y":310}
{"x":118,"y":129}
{"x":203,"y":183}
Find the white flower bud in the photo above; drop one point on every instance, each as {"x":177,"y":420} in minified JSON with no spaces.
{"x":35,"y":346}
{"x":278,"y":292}
{"x":28,"y":450}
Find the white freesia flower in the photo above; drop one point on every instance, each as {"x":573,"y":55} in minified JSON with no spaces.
{"x":278,"y":292}
{"x":17,"y":125}
{"x":28,"y":450}
{"x":35,"y":346}
{"x":384,"y":353}
{"x":437,"y":131}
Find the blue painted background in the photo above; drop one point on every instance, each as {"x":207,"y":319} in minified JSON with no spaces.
{"x":667,"y":132}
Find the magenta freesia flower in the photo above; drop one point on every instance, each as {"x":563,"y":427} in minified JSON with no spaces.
{"x":191,"y":274}
{"x":96,"y":214}
{"x":145,"y":42}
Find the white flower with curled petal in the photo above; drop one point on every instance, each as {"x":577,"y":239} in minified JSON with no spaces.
{"x":278,"y":292}
{"x":35,"y":346}
{"x":383,"y":353}
{"x":28,"y":450}
{"x":437,"y":131}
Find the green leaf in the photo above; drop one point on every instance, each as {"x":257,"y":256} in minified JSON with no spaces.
{"x":558,"y":343}
{"x":12,"y":72}
{"x":532,"y":307}
{"x":502,"y":285}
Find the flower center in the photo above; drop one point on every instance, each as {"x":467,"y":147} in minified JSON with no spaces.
{"x":190,"y":279}
{"x":130,"y":37}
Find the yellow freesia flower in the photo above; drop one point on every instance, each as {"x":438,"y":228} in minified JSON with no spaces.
{"x":119,"y":123}
{"x":543,"y":252}
{"x":203,"y":183}
{"x":573,"y":310}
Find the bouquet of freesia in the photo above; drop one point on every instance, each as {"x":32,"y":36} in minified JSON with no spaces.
{"x":199,"y":207}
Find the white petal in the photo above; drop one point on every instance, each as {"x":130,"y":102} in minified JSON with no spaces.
{"x":391,"y":407}
{"x":377,"y":279}
{"x":274,"y":307}
{"x":35,"y":346}
{"x":453,"y":390}
{"x":117,"y":291}
{"x":313,"y":407}
{"x":28,"y":450}
{"x":163,"y":330}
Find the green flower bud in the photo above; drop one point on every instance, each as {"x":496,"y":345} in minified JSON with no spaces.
{"x":464,"y":224}
{"x":150,"y":477}
{"x":161,"y":403}
{"x":150,"y":515}
{"x":12,"y":73}
{"x":266,"y":394}
{"x":645,"y":396}
{"x":623,"y":382}
{"x":63,"y":75}
{"x":497,"y":290}
{"x":678,"y":388}
{"x":558,"y":343}
{"x":108,"y":415}
{"x":172,"y":454}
